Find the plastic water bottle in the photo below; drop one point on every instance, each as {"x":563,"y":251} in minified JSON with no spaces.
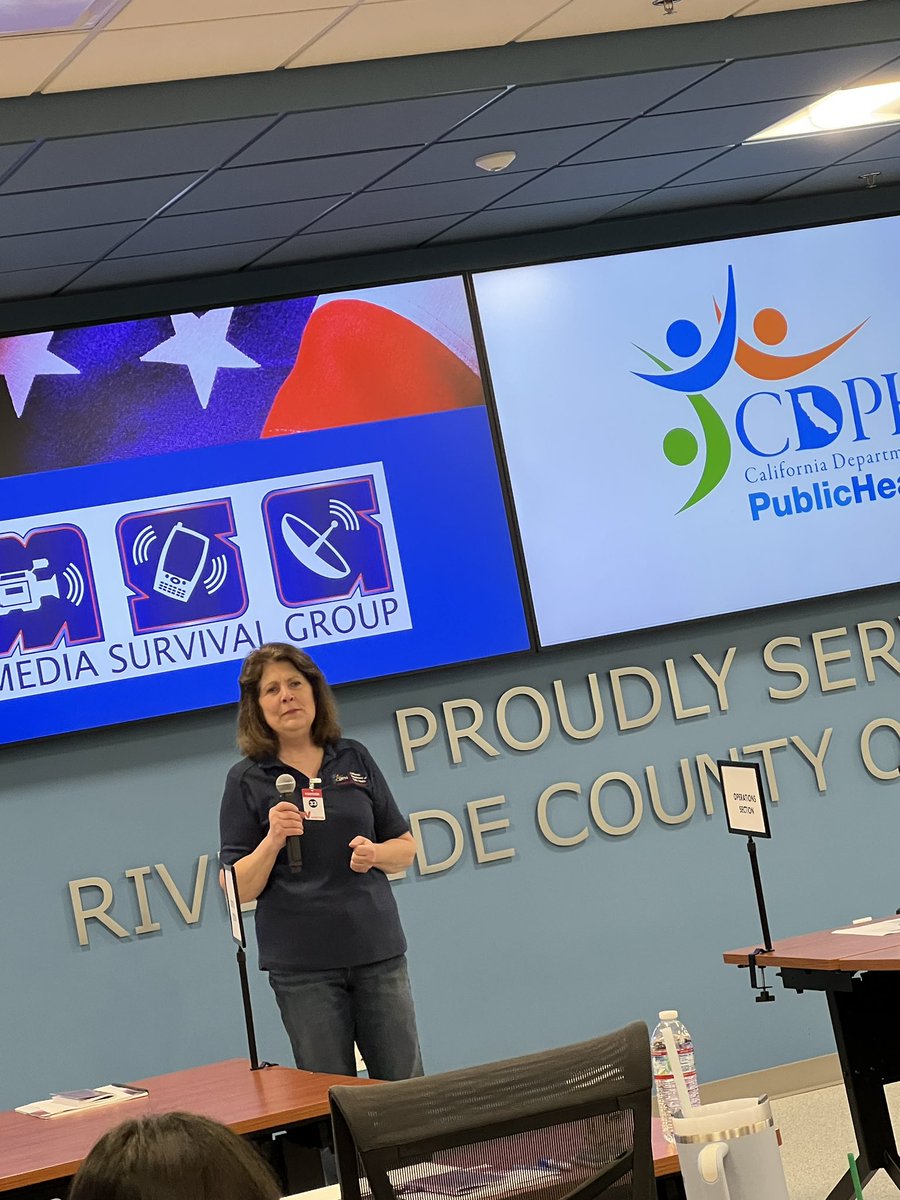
{"x":669,"y":1037}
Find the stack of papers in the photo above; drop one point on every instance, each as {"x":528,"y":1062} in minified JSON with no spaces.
{"x":81,"y":1100}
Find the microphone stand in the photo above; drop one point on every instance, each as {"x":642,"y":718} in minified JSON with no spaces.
{"x":248,"y":1011}
{"x":232,"y":896}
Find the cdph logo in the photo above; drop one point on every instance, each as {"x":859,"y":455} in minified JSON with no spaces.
{"x":817,"y":415}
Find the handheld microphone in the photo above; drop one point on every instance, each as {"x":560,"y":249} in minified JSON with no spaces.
{"x":285,"y":785}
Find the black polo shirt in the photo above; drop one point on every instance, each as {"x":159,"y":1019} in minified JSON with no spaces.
{"x":326,"y":915}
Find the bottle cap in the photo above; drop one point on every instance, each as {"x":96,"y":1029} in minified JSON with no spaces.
{"x":669,"y":1014}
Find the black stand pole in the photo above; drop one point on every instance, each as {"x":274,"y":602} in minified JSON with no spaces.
{"x":760,"y":899}
{"x":764,"y":996}
{"x":248,"y":1011}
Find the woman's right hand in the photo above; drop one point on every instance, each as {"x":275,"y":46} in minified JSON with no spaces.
{"x":285,"y":820}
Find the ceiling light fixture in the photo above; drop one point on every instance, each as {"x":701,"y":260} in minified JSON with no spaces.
{"x":848,"y":108}
{"x":668,"y":6}
{"x":50,"y":16}
{"x":499,"y":160}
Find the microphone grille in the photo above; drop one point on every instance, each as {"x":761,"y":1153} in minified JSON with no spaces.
{"x":285,"y":784}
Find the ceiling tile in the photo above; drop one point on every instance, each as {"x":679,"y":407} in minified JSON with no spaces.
{"x":25,"y":62}
{"x":587,"y":16}
{"x":604,"y":179}
{"x":302,"y":180}
{"x":812,"y":73}
{"x":846,"y":177}
{"x":153,"y":268}
{"x":755,"y":7}
{"x":793,"y":154}
{"x":219,"y":228}
{"x":94,"y":204}
{"x":393,"y":28}
{"x":884,"y":147}
{"x":67,"y":246}
{"x":456,"y":160}
{"x":687,"y":131}
{"x":579,"y":102}
{"x":16,"y":285}
{"x":189,"y":51}
{"x":140,"y":13}
{"x":11,"y":153}
{"x":365,"y":240}
{"x":137,"y":154}
{"x":500,"y":222}
{"x":363,"y":127}
{"x":431,"y":200}
{"x":726,"y":191}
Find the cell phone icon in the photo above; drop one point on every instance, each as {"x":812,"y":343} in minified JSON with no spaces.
{"x":181,"y":562}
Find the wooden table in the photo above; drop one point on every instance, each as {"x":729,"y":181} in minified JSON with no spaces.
{"x":38,"y":1156}
{"x":860,"y":976}
{"x":666,"y":1168}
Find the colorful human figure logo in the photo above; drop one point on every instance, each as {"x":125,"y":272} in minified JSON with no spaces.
{"x":680,"y":445}
{"x":818,"y":413}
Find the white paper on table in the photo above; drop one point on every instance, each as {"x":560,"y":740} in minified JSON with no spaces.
{"x":874,"y":928}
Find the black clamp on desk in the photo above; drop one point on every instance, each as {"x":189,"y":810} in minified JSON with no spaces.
{"x":758,"y":976}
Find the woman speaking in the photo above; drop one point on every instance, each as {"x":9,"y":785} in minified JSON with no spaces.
{"x":328,"y":929}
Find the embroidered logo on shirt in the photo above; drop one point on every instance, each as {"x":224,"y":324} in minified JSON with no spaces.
{"x":353,"y":777}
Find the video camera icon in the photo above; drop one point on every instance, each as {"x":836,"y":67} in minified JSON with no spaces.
{"x":22,"y":591}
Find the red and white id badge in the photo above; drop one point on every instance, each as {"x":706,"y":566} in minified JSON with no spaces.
{"x":313,"y":801}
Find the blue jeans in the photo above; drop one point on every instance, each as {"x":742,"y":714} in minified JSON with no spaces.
{"x":325,"y":1012}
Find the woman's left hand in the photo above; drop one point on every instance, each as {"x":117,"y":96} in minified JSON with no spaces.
{"x":363,"y":857}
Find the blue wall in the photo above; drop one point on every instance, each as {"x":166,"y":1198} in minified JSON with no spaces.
{"x":551,"y":945}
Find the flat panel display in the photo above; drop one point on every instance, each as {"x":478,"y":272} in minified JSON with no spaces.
{"x":178,"y":489}
{"x":701,"y":429}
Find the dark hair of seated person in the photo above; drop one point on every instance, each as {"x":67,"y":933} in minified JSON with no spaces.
{"x":174,"y":1156}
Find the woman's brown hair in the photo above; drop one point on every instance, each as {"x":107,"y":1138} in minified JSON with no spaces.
{"x":254,"y":737}
{"x":174,"y":1156}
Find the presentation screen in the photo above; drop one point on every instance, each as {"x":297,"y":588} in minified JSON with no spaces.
{"x":702,"y":429}
{"x":178,"y":489}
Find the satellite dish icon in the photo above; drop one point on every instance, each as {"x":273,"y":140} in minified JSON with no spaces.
{"x":312,"y":548}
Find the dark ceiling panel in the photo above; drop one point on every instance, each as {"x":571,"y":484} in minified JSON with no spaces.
{"x":792,"y":154}
{"x":432,"y":200}
{"x":688,"y":131}
{"x":581,"y":102}
{"x":725,"y":191}
{"x":365,"y":240}
{"x":813,"y":73}
{"x":65,"y":246}
{"x":534,"y":151}
{"x":846,"y":177}
{"x":219,"y":228}
{"x":145,"y":268}
{"x":605,"y":179}
{"x":306,"y":178}
{"x":138,"y":154}
{"x":886,"y":146}
{"x":496,"y":222}
{"x":11,"y":153}
{"x":91,"y":204}
{"x":362,"y":126}
{"x":43,"y":281}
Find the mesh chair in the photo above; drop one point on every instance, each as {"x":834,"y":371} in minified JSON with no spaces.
{"x":566,"y":1124}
